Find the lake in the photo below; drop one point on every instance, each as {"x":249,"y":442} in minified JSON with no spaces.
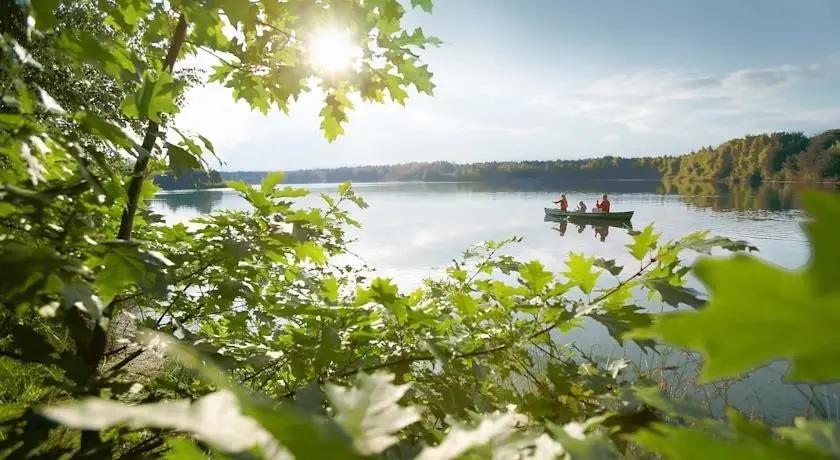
{"x":413,"y":230}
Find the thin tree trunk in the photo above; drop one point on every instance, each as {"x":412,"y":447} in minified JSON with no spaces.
{"x":93,"y":353}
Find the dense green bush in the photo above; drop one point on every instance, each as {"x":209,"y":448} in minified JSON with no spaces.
{"x":241,"y":335}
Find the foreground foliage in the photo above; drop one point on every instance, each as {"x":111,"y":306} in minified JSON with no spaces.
{"x":248,"y":334}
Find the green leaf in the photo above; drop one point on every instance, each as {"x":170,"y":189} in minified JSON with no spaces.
{"x":675,"y":295}
{"x":814,"y":434}
{"x":418,"y":75}
{"x":609,"y":265}
{"x":426,"y":5}
{"x":271,"y":180}
{"x":382,"y":290}
{"x":105,"y":129}
{"x":154,"y":97}
{"x":784,"y":317}
{"x":643,"y":242}
{"x":329,"y":289}
{"x":437,"y":351}
{"x":126,"y":264}
{"x":181,"y":161}
{"x":535,"y":276}
{"x":370,"y":412}
{"x":691,"y":411}
{"x":581,"y":272}
{"x":622,"y":320}
{"x":42,"y":11}
{"x":344,"y":188}
{"x":688,"y":444}
{"x":290,"y":192}
{"x":466,"y":304}
{"x":334,"y":113}
{"x":330,"y":342}
{"x":111,"y":58}
{"x":699,"y":242}
{"x":306,"y":437}
{"x":78,"y":295}
{"x":128,"y":13}
{"x":312,"y":251}
{"x":25,"y":101}
{"x":181,"y":449}
{"x":822,"y":232}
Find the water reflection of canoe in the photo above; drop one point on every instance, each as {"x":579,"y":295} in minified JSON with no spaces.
{"x":590,"y":216}
{"x":583,"y":220}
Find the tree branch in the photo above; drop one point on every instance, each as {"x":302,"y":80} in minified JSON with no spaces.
{"x":93,"y":353}
{"x":476,"y":353}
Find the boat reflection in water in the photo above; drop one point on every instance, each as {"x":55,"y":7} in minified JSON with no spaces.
{"x":601,"y":227}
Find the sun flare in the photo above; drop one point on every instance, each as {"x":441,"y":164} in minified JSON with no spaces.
{"x":332,"y":50}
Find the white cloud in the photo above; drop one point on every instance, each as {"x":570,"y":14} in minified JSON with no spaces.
{"x":505,"y":112}
{"x":659,"y":101}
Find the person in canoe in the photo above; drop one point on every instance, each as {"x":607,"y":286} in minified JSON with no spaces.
{"x":603,"y":205}
{"x":581,"y":207}
{"x":564,"y":204}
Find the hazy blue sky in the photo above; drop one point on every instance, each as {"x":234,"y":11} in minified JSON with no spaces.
{"x":543,"y":79}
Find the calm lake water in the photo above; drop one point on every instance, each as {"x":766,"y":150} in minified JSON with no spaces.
{"x":413,"y":230}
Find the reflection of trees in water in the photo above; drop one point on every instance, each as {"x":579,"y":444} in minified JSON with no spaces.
{"x":203,"y":201}
{"x":725,"y":197}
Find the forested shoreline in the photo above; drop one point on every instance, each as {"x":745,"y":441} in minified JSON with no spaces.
{"x":748,"y":160}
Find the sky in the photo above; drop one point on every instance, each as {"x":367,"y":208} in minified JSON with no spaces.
{"x":566,"y":79}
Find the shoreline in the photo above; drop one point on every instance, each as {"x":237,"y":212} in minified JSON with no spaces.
{"x":825,"y":184}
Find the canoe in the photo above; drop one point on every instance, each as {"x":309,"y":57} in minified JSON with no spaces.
{"x":616,"y":216}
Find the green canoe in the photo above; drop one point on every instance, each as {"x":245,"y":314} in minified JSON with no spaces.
{"x":615,"y":216}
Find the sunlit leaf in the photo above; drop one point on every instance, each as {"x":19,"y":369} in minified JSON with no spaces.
{"x":581,"y":272}
{"x":370,"y":412}
{"x":426,"y":5}
{"x":155,"y":96}
{"x":200,"y":418}
{"x":535,"y":276}
{"x":462,"y":439}
{"x":311,"y":251}
{"x":643,"y":242}
{"x":271,"y":180}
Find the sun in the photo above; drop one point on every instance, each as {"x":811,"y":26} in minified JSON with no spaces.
{"x":332,"y":49}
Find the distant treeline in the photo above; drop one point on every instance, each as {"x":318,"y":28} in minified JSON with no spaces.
{"x":508,"y":171}
{"x":190,"y":180}
{"x":768,"y":157}
{"x":752,"y":159}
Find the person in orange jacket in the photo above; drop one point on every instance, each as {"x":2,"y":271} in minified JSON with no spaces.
{"x":603,"y":205}
{"x":564,"y":204}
